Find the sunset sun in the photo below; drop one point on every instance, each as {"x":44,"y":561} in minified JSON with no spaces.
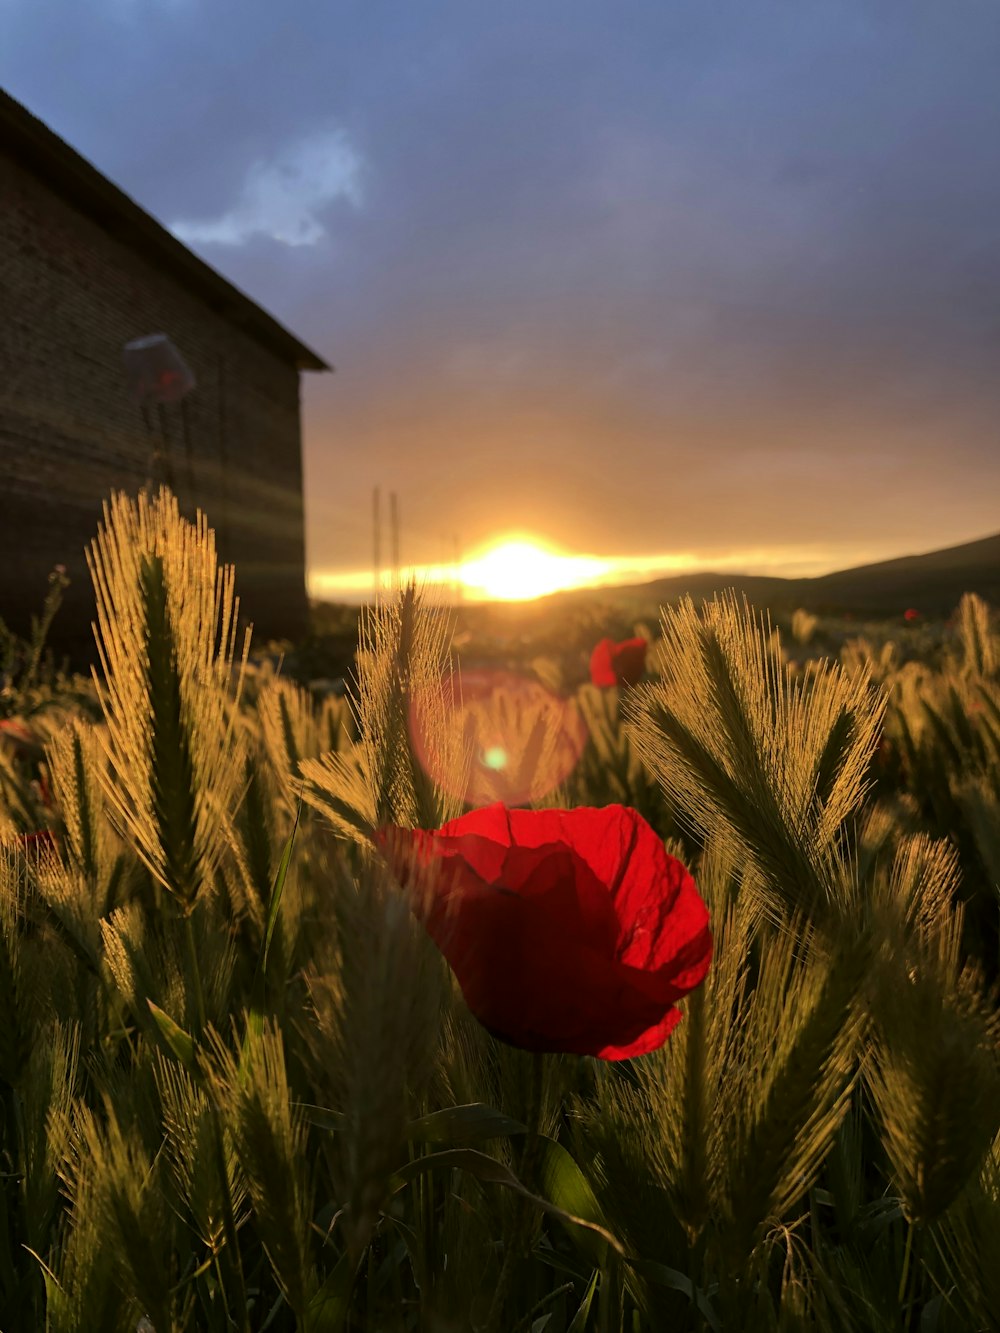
{"x":516,"y":570}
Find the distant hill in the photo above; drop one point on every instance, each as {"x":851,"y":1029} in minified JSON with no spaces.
{"x":932,"y":583}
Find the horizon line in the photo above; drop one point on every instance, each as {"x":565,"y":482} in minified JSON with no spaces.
{"x":356,"y":586}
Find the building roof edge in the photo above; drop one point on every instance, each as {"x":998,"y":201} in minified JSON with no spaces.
{"x":43,"y":153}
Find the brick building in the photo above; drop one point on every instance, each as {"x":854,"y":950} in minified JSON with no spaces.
{"x":83,"y":271}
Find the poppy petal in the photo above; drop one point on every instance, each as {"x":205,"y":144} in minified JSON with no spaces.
{"x":567,"y":930}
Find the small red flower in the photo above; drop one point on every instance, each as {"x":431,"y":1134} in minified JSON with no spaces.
{"x":911,"y":614}
{"x":19,"y":735}
{"x":44,"y":841}
{"x":568,"y":930}
{"x":618,"y":663}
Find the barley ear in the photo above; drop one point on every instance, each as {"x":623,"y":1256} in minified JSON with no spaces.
{"x":48,"y":1091}
{"x":402,"y":662}
{"x":978,"y":798}
{"x":92,"y":854}
{"x":194,"y":1159}
{"x":393,"y":988}
{"x":933,"y":1071}
{"x":980,"y":644}
{"x":967,"y":1236}
{"x":746,"y":751}
{"x":21,"y":997}
{"x":76,"y":788}
{"x":255,"y":835}
{"x":657,"y":1143}
{"x":130,"y":1209}
{"x":16,"y":804}
{"x":270,"y":1138}
{"x":339,"y":786}
{"x":82,"y":1277}
{"x":166,"y":637}
{"x":337,"y":727}
{"x":144,"y":965}
{"x":290,"y":733}
{"x":792,"y":1085}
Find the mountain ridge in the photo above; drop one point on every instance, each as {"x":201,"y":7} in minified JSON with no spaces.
{"x":931,"y":582}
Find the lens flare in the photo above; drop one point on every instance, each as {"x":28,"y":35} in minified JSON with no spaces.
{"x":518,"y":738}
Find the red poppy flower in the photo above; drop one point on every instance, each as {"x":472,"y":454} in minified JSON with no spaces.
{"x":911,"y":614}
{"x":618,"y":663}
{"x":568,"y":930}
{"x":20,"y":736}
{"x":38,"y":842}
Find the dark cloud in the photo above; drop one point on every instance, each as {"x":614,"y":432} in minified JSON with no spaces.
{"x":632,"y":275}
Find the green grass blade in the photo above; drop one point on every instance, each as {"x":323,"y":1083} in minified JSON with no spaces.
{"x":579,"y":1321}
{"x":173,"y":1038}
{"x":488,"y":1169}
{"x":463,"y":1124}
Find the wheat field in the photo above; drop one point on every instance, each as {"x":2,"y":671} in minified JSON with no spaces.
{"x":242,"y":1088}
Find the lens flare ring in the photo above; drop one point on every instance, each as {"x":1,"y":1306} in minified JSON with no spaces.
{"x":521,"y":738}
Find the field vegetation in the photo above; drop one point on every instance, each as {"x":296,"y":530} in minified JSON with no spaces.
{"x":240,"y":1088}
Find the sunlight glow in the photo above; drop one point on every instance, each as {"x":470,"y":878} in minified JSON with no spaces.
{"x":518,"y":569}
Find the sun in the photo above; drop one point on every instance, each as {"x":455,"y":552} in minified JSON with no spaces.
{"x":517,"y":569}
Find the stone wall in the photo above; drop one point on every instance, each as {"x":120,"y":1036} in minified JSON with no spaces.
{"x":71,"y":296}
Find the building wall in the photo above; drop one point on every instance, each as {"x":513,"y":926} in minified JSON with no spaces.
{"x":71,"y":296}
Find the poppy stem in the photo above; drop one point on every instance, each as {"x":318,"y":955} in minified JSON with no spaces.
{"x":516,"y":1235}
{"x":531,"y":1149}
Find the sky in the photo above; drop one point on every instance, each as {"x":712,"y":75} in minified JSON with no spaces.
{"x":658,"y":284}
